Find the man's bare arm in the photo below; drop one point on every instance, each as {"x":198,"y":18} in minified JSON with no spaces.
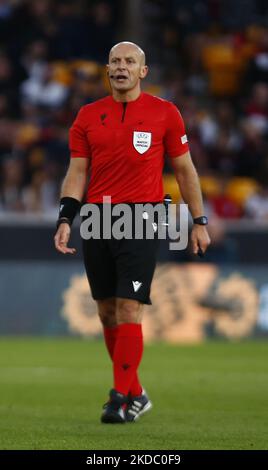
{"x":188,"y":181}
{"x":73,"y":186}
{"x":75,"y":180}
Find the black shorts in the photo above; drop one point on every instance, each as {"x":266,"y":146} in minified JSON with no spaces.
{"x":120,"y":268}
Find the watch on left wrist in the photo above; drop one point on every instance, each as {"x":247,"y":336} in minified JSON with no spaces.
{"x":202,"y":220}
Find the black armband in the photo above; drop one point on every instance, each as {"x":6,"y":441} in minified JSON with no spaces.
{"x":68,"y":210}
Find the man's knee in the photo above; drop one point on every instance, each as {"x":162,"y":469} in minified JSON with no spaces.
{"x":107,"y":312}
{"x":128,"y":311}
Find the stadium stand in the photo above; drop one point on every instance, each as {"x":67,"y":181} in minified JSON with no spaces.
{"x":210,"y":58}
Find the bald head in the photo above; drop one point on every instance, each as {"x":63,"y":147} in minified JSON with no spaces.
{"x":130,"y":47}
{"x":126,"y":69}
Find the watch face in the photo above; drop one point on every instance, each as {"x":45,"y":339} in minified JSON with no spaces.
{"x":203,"y":220}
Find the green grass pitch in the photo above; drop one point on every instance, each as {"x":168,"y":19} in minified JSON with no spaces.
{"x":210,"y":396}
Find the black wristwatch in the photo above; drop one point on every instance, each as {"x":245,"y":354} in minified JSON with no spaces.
{"x":203,"y":220}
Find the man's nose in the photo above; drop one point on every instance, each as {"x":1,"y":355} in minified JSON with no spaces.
{"x":122,"y":65}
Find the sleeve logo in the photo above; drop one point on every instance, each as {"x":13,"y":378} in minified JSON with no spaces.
{"x":184,"y":139}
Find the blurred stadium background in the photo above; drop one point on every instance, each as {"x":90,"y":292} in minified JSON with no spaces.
{"x":210,"y":57}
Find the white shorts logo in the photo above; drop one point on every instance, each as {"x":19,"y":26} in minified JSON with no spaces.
{"x":142,"y":141}
{"x":136,"y":285}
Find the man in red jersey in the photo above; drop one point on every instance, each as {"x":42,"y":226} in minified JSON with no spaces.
{"x":121,"y":141}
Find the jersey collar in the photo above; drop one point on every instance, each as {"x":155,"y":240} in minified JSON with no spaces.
{"x":137,"y":100}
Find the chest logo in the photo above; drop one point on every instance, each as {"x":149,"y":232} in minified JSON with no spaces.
{"x":142,"y":141}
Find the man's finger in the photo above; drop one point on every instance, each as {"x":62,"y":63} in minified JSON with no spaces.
{"x":61,"y":241}
{"x":200,"y":253}
{"x":195,"y":246}
{"x":65,"y":250}
{"x":195,"y":250}
{"x":62,"y":248}
{"x":203,"y":245}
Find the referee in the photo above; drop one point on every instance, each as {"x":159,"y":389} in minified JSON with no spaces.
{"x":118,"y":144}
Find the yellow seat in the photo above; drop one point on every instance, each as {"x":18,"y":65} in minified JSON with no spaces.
{"x":171,"y":187}
{"x":224,"y":66}
{"x":154,"y":90}
{"x":62,"y":73}
{"x":105,"y":79}
{"x":88,"y":66}
{"x":210,"y":186}
{"x":239,"y":189}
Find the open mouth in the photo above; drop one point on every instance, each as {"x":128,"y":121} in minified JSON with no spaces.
{"x":121,"y":78}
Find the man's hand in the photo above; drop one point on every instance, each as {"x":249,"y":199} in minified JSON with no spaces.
{"x":61,"y":239}
{"x":200,"y":238}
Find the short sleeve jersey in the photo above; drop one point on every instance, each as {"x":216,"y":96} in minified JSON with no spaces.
{"x":126,"y":144}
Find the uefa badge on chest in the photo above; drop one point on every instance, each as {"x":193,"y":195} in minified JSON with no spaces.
{"x":142,"y":141}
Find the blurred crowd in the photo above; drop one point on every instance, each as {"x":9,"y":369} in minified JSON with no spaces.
{"x":209,"y":57}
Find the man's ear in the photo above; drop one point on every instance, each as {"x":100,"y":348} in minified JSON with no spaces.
{"x":144,"y":71}
{"x":107,"y":69}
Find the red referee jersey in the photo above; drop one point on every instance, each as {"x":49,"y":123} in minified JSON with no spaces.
{"x":126,"y":144}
